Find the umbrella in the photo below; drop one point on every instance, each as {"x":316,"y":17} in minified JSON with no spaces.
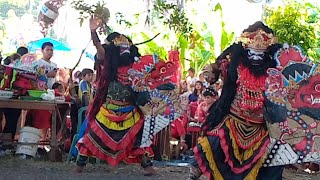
{"x":57,"y":45}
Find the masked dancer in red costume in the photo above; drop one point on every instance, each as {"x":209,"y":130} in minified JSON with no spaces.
{"x":115,"y":123}
{"x":235,"y":137}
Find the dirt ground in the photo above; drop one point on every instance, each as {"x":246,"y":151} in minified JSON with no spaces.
{"x":13,"y":168}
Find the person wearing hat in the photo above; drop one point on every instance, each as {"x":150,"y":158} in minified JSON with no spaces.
{"x":234,"y":139}
{"x":114,"y":122}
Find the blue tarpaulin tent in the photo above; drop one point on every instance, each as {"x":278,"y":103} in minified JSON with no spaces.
{"x":57,"y":45}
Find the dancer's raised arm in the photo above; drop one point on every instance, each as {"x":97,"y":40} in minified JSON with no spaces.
{"x":94,"y":24}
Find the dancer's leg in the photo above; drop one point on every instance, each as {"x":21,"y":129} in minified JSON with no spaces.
{"x":147,"y":165}
{"x":81,"y":163}
{"x":195,"y":171}
{"x":270,"y":173}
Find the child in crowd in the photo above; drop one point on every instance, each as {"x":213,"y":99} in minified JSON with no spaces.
{"x":85,"y":90}
{"x":184,"y":94}
{"x":14,"y":58}
{"x":209,"y":97}
{"x":59,"y":90}
{"x":203,"y":80}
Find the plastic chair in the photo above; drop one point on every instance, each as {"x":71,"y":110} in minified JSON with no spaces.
{"x":75,"y":139}
{"x":76,"y":136}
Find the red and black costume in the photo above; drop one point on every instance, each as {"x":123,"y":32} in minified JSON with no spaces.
{"x":115,"y":123}
{"x":235,"y":139}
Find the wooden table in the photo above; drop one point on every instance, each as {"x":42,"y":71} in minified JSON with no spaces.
{"x":52,"y":106}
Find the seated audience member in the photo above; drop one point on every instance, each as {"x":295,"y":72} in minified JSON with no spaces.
{"x":59,"y":90}
{"x":10,"y":115}
{"x":203,"y":80}
{"x":14,"y":57}
{"x":22,"y":50}
{"x":197,"y":92}
{"x":191,"y":79}
{"x":209,"y":97}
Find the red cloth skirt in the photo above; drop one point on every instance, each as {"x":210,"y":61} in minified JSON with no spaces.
{"x":41,"y":119}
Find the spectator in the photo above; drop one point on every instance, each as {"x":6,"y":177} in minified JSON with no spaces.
{"x":11,"y":115}
{"x":2,"y":68}
{"x":203,"y":80}
{"x":14,"y":57}
{"x":209,"y":97}
{"x":50,"y":68}
{"x":85,"y":90}
{"x":77,"y":77}
{"x":191,"y":79}
{"x":41,"y":118}
{"x":59,"y":90}
{"x":184,"y":95}
{"x":197,"y":92}
{"x":7,"y":60}
{"x":22,"y":51}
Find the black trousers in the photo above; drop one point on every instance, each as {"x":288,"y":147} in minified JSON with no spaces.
{"x":12,"y":117}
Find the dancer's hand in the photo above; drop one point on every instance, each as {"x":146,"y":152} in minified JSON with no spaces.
{"x":183,"y":147}
{"x":94,"y":23}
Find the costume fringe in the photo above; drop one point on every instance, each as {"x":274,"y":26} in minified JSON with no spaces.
{"x":235,"y":147}
{"x":206,"y":147}
{"x":255,"y":170}
{"x":248,"y":152}
{"x":118,"y":126}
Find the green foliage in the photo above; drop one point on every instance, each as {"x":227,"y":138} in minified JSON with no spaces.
{"x":34,"y":9}
{"x":297,"y":24}
{"x":203,"y":51}
{"x":174,"y":17}
{"x":19,"y":6}
{"x":153,"y":48}
{"x":122,"y":21}
{"x":195,"y":42}
{"x":98,"y":10}
{"x":226,"y":37}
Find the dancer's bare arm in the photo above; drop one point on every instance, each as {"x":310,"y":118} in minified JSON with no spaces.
{"x":94,"y":24}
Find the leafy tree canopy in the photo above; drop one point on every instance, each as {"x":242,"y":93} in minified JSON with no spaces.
{"x":297,"y":23}
{"x":20,"y":7}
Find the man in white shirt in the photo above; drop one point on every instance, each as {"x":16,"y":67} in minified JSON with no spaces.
{"x":45,"y":62}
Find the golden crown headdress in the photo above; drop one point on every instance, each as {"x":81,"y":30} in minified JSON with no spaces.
{"x":258,"y":40}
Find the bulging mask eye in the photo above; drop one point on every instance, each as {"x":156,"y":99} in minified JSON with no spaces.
{"x":317,"y":87}
{"x":163,"y":70}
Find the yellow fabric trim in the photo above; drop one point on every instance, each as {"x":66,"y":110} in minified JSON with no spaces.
{"x":105,"y":112}
{"x":123,"y":125}
{"x":235,"y":147}
{"x":203,"y":141}
{"x":255,"y":170}
{"x":245,"y":154}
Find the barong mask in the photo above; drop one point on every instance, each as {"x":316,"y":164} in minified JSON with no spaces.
{"x":149,"y":72}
